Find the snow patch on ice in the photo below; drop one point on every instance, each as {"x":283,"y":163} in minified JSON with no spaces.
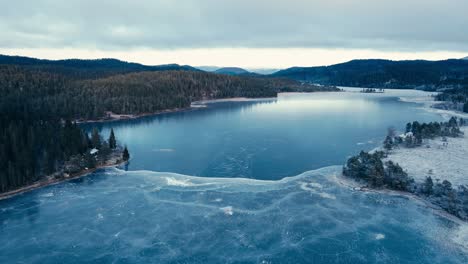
{"x":227,"y":210}
{"x":379,"y":236}
{"x":327,"y":195}
{"x":176,"y":182}
{"x":315,"y":188}
{"x":315,"y":185}
{"x":164,"y":150}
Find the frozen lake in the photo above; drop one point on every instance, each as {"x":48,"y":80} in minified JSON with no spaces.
{"x":236,"y":182}
{"x":268,"y":139}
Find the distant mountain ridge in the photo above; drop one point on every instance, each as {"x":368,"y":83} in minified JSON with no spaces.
{"x":231,"y":71}
{"x":95,"y":68}
{"x":384,"y":73}
{"x":372,"y":73}
{"x":261,"y":71}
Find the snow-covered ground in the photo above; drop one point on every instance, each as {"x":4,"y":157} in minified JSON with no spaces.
{"x":440,"y":161}
{"x":444,"y":162}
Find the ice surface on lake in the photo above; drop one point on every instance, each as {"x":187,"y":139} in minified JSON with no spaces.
{"x":267,"y":139}
{"x":143,"y":217}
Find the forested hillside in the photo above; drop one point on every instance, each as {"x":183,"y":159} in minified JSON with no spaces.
{"x":385,"y":74}
{"x":44,"y":95}
{"x":35,"y":139}
{"x":456,"y":99}
{"x":87,"y":69}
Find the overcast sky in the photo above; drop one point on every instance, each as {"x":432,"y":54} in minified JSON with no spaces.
{"x":247,"y":33}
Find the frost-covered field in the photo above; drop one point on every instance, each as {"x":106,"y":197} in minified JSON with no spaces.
{"x":444,"y":162}
{"x":447,"y":161}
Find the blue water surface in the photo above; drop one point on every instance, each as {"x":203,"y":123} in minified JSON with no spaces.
{"x":268,"y":139}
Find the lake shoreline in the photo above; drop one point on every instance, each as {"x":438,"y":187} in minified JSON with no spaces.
{"x":117,"y":117}
{"x":195,"y":105}
{"x":357,"y":186}
{"x":51,"y":180}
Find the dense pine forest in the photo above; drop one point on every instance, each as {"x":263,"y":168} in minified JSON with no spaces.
{"x":34,"y":92}
{"x":86,"y":69}
{"x":40,"y":100}
{"x":40,"y":94}
{"x":428,"y":75}
{"x":456,"y":98}
{"x":31,"y":150}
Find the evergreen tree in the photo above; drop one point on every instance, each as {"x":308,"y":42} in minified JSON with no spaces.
{"x":112,"y":141}
{"x":408,"y":127}
{"x":447,"y":186}
{"x":96,"y":139}
{"x":428,"y":186}
{"x":453,"y":122}
{"x":388,"y":143}
{"x":125,"y":154}
{"x":395,"y":177}
{"x":90,"y":160}
{"x":451,"y":199}
{"x":105,"y":150}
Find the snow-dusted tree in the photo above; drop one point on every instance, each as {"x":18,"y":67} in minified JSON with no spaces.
{"x":408,"y":128}
{"x":388,"y":143}
{"x":96,"y":139}
{"x":428,"y":186}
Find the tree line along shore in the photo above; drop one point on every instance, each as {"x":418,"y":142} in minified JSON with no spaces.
{"x":74,"y":153}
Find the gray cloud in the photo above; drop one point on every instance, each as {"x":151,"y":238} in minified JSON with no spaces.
{"x":172,"y":24}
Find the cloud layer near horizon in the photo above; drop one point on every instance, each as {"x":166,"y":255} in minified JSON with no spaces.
{"x":396,"y":25}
